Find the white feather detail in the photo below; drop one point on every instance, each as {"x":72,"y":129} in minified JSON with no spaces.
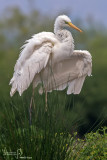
{"x":69,"y":72}
{"x":24,"y":75}
{"x":33,"y":44}
{"x":75,"y":86}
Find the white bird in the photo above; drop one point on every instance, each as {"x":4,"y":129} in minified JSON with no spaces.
{"x":49,"y":58}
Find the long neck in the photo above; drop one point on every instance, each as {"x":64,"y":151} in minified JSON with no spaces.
{"x":65,"y":36}
{"x":61,"y":33}
{"x":57,"y":28}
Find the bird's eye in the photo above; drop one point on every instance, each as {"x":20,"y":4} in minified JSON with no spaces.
{"x":66,"y":22}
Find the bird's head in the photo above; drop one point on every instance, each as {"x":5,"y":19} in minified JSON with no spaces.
{"x":64,"y":21}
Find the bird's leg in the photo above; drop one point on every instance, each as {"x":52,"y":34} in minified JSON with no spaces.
{"x":30,"y":108}
{"x":33,"y":100}
{"x":46,"y":106}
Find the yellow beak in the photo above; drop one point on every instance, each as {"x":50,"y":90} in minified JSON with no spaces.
{"x":73,"y":26}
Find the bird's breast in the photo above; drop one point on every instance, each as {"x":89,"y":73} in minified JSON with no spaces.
{"x":61,"y":51}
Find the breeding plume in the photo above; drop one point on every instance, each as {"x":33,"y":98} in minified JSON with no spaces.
{"x":50,"y":59}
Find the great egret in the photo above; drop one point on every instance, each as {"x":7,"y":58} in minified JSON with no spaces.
{"x":50,"y":58}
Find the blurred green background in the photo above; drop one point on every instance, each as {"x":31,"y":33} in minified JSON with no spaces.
{"x":16,"y":26}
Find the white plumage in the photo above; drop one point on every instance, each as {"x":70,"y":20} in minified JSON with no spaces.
{"x":50,"y":58}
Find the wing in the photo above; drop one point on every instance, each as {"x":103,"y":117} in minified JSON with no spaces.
{"x":33,"y":44}
{"x":71,"y":72}
{"x":32,"y":60}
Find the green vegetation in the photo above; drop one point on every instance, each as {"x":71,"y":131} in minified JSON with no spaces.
{"x":52,"y":134}
{"x":46,"y":138}
{"x":39,"y":145}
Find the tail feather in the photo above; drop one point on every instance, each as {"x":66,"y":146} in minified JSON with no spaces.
{"x":13,"y":90}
